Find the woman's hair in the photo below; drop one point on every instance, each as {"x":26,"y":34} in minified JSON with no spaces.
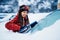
{"x":20,"y":18}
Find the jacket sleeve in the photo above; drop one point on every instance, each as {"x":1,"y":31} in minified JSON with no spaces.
{"x":11,"y":25}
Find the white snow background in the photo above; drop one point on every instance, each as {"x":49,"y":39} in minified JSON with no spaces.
{"x":49,"y":33}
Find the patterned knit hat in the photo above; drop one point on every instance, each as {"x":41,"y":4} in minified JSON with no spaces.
{"x":24,"y":8}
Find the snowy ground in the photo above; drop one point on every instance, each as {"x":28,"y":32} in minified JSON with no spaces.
{"x":49,"y":33}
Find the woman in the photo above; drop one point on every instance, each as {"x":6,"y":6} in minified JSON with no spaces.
{"x":20,"y":20}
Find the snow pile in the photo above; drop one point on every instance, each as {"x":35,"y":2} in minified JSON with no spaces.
{"x":50,"y":33}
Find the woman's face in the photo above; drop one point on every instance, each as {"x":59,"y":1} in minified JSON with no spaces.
{"x":24,"y":13}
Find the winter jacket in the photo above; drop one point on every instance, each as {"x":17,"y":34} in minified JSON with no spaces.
{"x":13,"y":25}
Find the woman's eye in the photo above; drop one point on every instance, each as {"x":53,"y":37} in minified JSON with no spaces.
{"x":24,"y":12}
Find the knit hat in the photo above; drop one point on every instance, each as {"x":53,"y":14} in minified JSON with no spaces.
{"x":24,"y":8}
